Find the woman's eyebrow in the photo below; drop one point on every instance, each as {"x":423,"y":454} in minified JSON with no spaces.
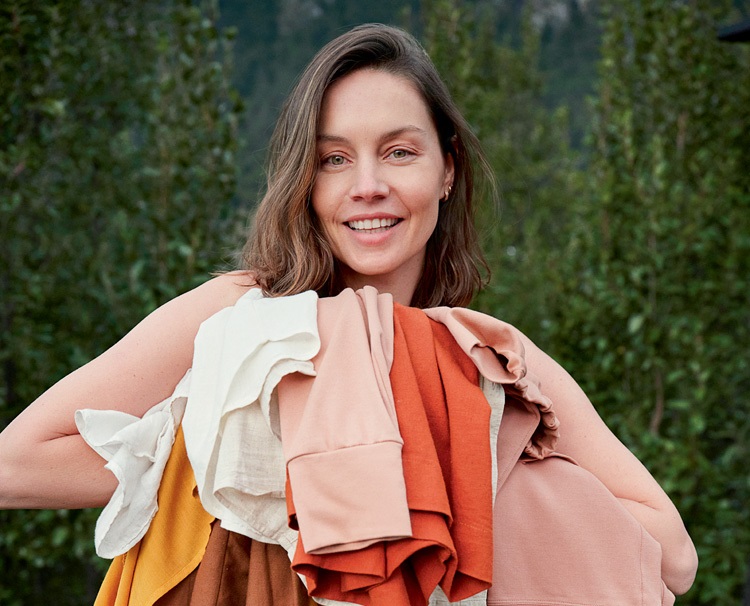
{"x":325,"y":138}
{"x":402,"y":131}
{"x":331,"y":139}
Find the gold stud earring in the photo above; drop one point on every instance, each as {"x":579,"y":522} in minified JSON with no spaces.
{"x":447,"y":193}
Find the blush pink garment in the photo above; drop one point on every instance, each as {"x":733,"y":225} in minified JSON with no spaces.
{"x":342,"y":422}
{"x":561,"y":538}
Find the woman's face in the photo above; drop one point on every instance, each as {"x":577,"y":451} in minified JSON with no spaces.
{"x":380,"y":178}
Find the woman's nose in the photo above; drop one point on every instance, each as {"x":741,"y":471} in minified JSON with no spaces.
{"x":369,"y":181}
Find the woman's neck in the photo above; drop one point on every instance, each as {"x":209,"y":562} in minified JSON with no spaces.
{"x":401,"y":290}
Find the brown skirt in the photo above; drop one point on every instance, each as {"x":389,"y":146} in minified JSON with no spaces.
{"x":237,"y":571}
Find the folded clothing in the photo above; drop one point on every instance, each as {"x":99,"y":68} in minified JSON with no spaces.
{"x":443,"y":419}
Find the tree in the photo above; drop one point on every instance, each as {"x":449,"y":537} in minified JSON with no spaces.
{"x":500,"y":89}
{"x":117,"y":164}
{"x":653,"y":314}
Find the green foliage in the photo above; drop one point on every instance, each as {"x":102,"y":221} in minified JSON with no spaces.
{"x":118,"y":154}
{"x":117,"y":164}
{"x":500,"y":90}
{"x":653,"y":314}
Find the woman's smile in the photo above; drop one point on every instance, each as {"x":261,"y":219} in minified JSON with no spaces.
{"x":370,"y":226}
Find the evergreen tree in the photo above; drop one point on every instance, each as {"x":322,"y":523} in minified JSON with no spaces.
{"x":116,"y":164}
{"x":500,"y":89}
{"x":654,"y":314}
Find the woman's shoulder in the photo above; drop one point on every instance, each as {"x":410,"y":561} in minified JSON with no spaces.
{"x":202,"y":302}
{"x":161,"y":345}
{"x":222,"y":291}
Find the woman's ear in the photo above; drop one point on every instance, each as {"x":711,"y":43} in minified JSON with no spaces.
{"x":449,"y":176}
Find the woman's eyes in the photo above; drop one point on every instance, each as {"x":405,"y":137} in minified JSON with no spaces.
{"x":340,"y":160}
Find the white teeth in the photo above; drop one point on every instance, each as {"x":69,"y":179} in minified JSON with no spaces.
{"x":372,"y":224}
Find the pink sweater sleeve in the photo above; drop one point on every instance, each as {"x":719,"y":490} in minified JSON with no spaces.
{"x":340,"y":432}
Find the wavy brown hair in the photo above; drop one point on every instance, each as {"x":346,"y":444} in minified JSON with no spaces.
{"x":287,"y":251}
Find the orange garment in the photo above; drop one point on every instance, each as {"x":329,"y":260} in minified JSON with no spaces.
{"x":443,"y":418}
{"x":173,"y":546}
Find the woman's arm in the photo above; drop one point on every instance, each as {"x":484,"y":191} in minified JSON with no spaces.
{"x":585,"y":438}
{"x":44,"y":462}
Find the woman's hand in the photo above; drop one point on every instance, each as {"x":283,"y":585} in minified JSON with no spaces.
{"x":44,"y":462}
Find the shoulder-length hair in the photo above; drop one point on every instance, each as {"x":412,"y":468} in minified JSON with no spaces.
{"x":287,"y":251}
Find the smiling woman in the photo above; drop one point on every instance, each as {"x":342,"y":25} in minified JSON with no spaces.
{"x":273,"y":424}
{"x":370,"y":88}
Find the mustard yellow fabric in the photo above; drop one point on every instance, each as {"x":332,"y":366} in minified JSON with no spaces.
{"x":173,"y":546}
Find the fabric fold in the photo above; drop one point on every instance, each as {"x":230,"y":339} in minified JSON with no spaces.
{"x":498,"y":352}
{"x":173,"y":546}
{"x":136,"y":450}
{"x":443,"y":417}
{"x":340,"y":431}
{"x":231,"y":425}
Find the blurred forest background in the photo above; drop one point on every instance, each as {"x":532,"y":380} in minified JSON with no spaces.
{"x":131,"y":155}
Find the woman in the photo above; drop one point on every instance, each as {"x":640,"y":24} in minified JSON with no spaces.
{"x":370,"y":184}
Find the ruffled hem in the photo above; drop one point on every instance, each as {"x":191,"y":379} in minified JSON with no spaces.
{"x":544,"y":441}
{"x":136,"y":451}
{"x":497,"y":350}
{"x":231,"y":424}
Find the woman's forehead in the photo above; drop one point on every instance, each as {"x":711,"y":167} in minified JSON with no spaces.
{"x":371,"y":98}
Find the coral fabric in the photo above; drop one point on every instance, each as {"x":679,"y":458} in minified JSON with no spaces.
{"x":444,"y":421}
